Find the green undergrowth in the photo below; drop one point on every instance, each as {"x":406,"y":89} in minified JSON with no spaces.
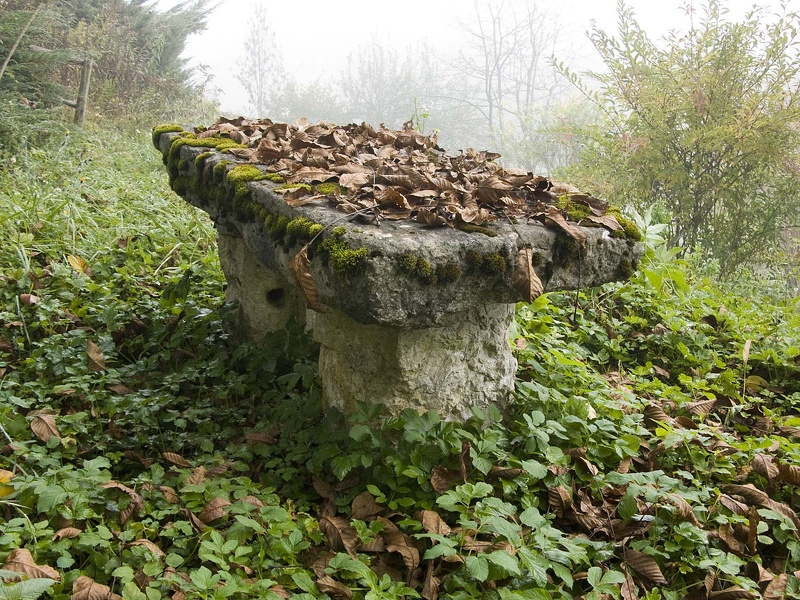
{"x":651,"y":449}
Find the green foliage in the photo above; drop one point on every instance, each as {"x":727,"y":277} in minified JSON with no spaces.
{"x":652,"y":441}
{"x":701,"y":126}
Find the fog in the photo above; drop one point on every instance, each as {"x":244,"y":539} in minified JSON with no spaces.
{"x":462,"y":68}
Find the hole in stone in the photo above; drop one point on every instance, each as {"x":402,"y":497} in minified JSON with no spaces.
{"x":277,"y":297}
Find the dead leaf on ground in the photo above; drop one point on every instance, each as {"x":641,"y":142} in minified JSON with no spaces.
{"x":97,"y":361}
{"x":337,"y":591}
{"x":170,"y":495}
{"x":645,"y":565}
{"x":364,"y":507}
{"x":20,"y":560}
{"x":136,"y":500}
{"x":151,"y":546}
{"x":29,"y":299}
{"x":80,"y":265}
{"x":433,"y":523}
{"x":43,"y":425}
{"x":86,"y":588}
{"x":66,"y":533}
{"x":215,"y":509}
{"x":175,"y":459}
{"x":340,"y":534}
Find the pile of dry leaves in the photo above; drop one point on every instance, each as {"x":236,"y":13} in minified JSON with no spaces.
{"x":402,"y":174}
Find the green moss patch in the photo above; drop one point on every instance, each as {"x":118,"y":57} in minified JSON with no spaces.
{"x":470,"y":228}
{"x":489,"y":263}
{"x":428,"y":274}
{"x":165,"y":128}
{"x":346,"y":261}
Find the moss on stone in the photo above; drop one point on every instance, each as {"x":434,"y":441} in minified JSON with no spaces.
{"x":198,"y":161}
{"x":278,"y":228}
{"x":183,"y":164}
{"x":469,"y":228}
{"x":625,"y":270}
{"x":474,"y":260}
{"x":220,"y":169}
{"x":301,"y":230}
{"x":494,"y":263}
{"x":408,"y":263}
{"x":274,"y":178}
{"x":293,"y":186}
{"x":346,"y":261}
{"x":329,"y":188}
{"x":173,"y":155}
{"x":425,"y":272}
{"x":164,"y":128}
{"x":448,"y":273}
{"x":629,"y":229}
{"x":575,"y":211}
{"x":567,"y":248}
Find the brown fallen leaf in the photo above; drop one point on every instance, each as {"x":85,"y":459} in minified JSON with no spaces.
{"x":86,"y":588}
{"x":433,"y":523}
{"x":29,"y":299}
{"x":340,"y":534}
{"x":43,"y":425}
{"x":20,"y":560}
{"x":364,"y":507}
{"x":151,"y":546}
{"x":337,"y":591}
{"x":175,"y":459}
{"x":215,"y":509}
{"x":555,"y":218}
{"x":300,"y":266}
{"x":560,"y":500}
{"x":645,"y":565}
{"x":524,"y":278}
{"x":66,"y":533}
{"x":97,"y":361}
{"x":170,"y":495}
{"x":136,"y":500}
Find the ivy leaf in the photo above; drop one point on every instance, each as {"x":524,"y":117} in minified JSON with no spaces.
{"x":478,"y":567}
{"x":504,"y":560}
{"x":627,"y":507}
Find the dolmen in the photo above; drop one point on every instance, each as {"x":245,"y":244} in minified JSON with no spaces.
{"x":406,"y":261}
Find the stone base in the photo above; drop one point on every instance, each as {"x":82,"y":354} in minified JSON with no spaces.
{"x":463,"y":362}
{"x":466,"y":362}
{"x":267,"y":300}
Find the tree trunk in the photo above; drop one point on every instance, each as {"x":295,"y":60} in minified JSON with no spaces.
{"x":19,"y":38}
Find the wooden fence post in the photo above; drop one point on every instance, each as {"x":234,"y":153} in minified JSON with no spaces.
{"x":83,"y":91}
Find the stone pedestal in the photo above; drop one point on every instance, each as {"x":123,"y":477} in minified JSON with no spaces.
{"x":266,"y":299}
{"x":464,"y":362}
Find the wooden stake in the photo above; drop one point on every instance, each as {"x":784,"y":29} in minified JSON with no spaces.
{"x":83,"y":91}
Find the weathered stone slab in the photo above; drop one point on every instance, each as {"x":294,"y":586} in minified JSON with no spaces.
{"x":411,"y":275}
{"x":412,"y":315}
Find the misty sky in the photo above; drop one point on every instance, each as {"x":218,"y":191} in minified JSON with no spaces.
{"x":317,"y":36}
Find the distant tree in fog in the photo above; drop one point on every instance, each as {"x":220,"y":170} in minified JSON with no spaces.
{"x":513,"y":83}
{"x":261,"y":71}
